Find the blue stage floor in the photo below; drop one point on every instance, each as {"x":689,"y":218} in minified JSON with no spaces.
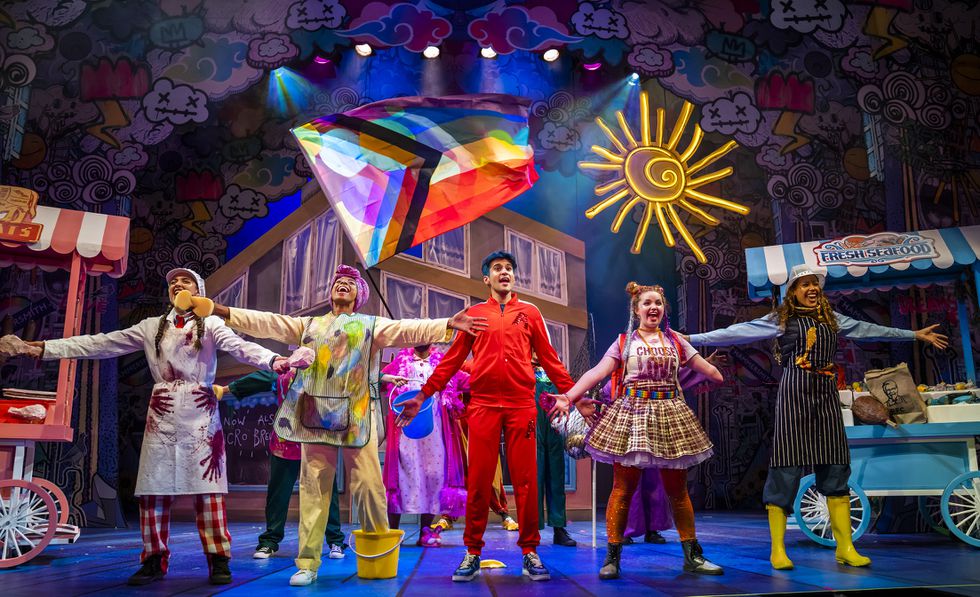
{"x":100,"y":562}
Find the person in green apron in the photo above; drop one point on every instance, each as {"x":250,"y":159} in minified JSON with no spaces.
{"x":809,"y":429}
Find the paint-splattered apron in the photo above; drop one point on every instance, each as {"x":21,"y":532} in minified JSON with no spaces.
{"x":330,"y":402}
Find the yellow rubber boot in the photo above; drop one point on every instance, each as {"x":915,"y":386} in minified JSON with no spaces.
{"x":777,"y":532}
{"x":840,"y":524}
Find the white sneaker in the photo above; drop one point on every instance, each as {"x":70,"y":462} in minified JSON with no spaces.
{"x":336,"y":552}
{"x":302,"y":578}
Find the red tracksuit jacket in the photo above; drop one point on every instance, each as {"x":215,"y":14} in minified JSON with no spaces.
{"x":502,"y":374}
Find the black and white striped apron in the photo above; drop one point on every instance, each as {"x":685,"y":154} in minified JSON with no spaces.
{"x":809,"y":428}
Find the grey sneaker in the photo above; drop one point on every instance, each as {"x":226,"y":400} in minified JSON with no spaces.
{"x":336,"y":552}
{"x":533,"y":568}
{"x":468,"y":569}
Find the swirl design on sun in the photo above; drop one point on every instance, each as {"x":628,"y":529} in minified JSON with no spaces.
{"x":652,"y":172}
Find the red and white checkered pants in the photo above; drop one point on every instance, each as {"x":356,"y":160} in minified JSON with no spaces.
{"x":212,"y":525}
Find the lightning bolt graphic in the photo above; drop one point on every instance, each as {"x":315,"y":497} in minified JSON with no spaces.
{"x":199,"y":215}
{"x":878,"y":23}
{"x":786,"y":127}
{"x":113,"y":117}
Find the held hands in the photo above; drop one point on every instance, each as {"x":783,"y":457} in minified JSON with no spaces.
{"x":558,"y":406}
{"x":12,"y":346}
{"x":465,"y":323}
{"x":928,"y":334}
{"x":200,"y":305}
{"x":396,"y":380}
{"x":280,"y":365}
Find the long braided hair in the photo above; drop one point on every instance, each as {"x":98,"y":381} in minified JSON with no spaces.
{"x":162,"y":328}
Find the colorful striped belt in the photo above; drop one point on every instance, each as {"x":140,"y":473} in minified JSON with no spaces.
{"x":650,"y":394}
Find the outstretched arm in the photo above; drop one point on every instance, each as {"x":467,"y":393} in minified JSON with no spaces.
{"x":400,"y":333}
{"x":589,"y":379}
{"x":862,"y":330}
{"x":243,"y":351}
{"x":261,"y":324}
{"x":96,"y":346}
{"x":763,"y":328}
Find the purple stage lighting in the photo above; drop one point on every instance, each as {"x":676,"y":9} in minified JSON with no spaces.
{"x":592,"y":65}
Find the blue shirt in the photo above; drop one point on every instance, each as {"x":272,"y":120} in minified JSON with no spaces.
{"x":767,"y":328}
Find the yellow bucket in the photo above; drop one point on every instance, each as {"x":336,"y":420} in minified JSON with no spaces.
{"x":377,"y":553}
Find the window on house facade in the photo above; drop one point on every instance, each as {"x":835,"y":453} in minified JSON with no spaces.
{"x":235,"y":294}
{"x":309,"y":259}
{"x":540,"y":267}
{"x":410,"y":299}
{"x":447,"y":251}
{"x":558,"y":332}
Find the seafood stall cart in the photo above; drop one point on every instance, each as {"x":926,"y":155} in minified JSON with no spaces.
{"x":936,"y":459}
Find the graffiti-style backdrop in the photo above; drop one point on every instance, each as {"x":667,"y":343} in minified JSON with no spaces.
{"x":850,"y":117}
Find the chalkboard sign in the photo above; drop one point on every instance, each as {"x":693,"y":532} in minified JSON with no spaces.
{"x":247,"y":425}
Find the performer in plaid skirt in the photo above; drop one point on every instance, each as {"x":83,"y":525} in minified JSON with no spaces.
{"x":648,"y":423}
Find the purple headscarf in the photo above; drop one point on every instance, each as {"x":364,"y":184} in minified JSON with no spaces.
{"x":363,"y":292}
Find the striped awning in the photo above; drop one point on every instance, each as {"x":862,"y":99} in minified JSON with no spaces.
{"x":101,"y":241}
{"x":867,"y":262}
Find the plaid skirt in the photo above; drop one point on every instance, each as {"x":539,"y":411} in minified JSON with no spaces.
{"x":645,"y":432}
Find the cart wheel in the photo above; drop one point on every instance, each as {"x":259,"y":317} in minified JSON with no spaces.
{"x":961,"y":507}
{"x":930,"y":508}
{"x":60,"y":501}
{"x":813,"y":516}
{"x":27,"y":521}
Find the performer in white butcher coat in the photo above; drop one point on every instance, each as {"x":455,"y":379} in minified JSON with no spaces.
{"x":183,"y":445}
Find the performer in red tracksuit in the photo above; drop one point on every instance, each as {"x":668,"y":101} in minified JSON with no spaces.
{"x":502,"y":397}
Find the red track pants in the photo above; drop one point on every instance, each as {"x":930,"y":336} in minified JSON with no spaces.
{"x":518,"y":425}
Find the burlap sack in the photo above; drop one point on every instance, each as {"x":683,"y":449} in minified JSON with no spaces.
{"x":895,"y":388}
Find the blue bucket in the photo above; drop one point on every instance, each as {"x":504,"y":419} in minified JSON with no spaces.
{"x":423,"y":423}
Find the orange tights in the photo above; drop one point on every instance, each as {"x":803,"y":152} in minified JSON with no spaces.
{"x":625,"y":481}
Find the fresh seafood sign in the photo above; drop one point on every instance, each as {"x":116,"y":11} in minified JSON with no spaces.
{"x":882,"y":248}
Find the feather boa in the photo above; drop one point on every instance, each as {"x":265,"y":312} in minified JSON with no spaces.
{"x":452,"y":496}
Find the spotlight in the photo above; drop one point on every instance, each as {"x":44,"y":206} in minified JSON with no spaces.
{"x":592,"y":65}
{"x":550,"y":55}
{"x":634,"y":79}
{"x":363,"y":49}
{"x":488,"y":52}
{"x":321,"y":60}
{"x":431,"y":52}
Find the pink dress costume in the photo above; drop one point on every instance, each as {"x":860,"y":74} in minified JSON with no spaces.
{"x":183,"y":446}
{"x":425,"y":476}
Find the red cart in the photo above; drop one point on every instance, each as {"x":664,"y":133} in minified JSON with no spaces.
{"x":33,"y":511}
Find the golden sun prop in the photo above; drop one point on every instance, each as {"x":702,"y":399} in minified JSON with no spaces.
{"x":654,"y":172}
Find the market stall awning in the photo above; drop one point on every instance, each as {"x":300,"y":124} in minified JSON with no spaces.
{"x":870,"y":261}
{"x":101,"y":241}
